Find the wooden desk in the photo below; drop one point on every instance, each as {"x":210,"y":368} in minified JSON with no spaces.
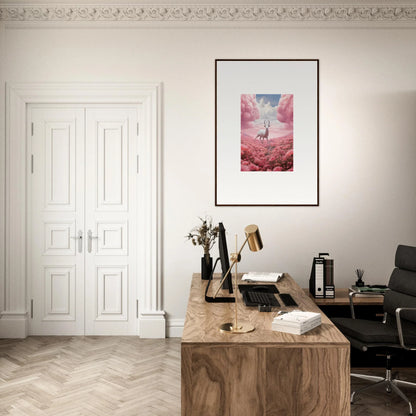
{"x":263,"y":372}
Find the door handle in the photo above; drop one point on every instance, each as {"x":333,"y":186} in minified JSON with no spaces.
{"x":90,"y":237}
{"x":79,"y":238}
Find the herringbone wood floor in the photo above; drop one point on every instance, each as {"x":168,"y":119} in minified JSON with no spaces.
{"x":120,"y":376}
{"x":89,"y":376}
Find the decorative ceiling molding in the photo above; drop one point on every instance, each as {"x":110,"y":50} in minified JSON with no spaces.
{"x":206,"y":13}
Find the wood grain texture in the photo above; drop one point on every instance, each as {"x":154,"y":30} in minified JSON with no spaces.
{"x":203,"y":319}
{"x":222,"y":381}
{"x":342,"y":299}
{"x":282,"y":383}
{"x":235,"y":380}
{"x":264,"y":372}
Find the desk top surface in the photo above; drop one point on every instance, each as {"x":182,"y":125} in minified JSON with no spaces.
{"x":203,"y":319}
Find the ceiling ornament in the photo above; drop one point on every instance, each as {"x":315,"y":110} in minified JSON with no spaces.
{"x":206,"y":13}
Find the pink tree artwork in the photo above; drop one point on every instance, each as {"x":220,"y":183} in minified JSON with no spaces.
{"x":267,"y":132}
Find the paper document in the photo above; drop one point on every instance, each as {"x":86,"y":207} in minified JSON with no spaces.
{"x":262,"y":277}
{"x":296,"y":322}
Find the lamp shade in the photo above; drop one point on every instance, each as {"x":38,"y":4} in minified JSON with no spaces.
{"x":253,"y":237}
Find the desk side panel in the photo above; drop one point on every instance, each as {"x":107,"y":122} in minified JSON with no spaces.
{"x":308,"y":381}
{"x":255,"y":380}
{"x":220,"y":381}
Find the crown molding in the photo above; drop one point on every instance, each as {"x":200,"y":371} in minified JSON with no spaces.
{"x":206,"y":13}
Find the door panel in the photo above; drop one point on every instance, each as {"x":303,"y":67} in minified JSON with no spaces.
{"x":112,"y":239}
{"x":111,"y":221}
{"x":58,"y":238}
{"x":112,"y":293}
{"x":112,"y":163}
{"x":59,"y":293}
{"x":60,"y":166}
{"x":56,"y":216}
{"x":84,"y":183}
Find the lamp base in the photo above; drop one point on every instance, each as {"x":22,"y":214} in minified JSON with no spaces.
{"x":242,"y":328}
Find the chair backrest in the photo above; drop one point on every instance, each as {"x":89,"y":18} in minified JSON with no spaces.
{"x":402,"y":284}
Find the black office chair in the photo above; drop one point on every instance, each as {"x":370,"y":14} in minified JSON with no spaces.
{"x":398,"y":329}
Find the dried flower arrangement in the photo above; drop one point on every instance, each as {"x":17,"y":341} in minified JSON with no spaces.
{"x":204,"y":235}
{"x":359,"y":273}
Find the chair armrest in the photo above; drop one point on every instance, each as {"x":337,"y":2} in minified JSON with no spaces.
{"x":400,"y":329}
{"x":354,"y":293}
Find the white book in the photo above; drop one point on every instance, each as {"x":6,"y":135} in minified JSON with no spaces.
{"x":296,"y":322}
{"x":262,"y":277}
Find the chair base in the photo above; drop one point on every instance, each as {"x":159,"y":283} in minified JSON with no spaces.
{"x":391,"y":384}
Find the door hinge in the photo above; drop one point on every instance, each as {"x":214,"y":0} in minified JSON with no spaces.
{"x":137,"y":163}
{"x":31,"y":164}
{"x":137,"y":308}
{"x":31,"y":308}
{"x":31,"y":128}
{"x":137,"y":128}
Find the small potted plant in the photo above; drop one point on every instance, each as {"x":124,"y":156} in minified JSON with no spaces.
{"x":204,"y":235}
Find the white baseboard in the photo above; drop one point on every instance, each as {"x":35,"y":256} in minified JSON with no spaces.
{"x":175,"y":328}
{"x":13,"y":325}
{"x":152,"y":324}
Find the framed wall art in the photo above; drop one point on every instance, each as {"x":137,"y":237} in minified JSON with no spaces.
{"x":266,"y":132}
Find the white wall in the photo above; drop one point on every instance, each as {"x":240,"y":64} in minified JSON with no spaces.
{"x":367,"y":135}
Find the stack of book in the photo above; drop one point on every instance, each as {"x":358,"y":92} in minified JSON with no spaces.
{"x":296,"y":322}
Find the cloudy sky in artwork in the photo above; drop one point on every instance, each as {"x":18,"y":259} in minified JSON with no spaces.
{"x":267,"y":105}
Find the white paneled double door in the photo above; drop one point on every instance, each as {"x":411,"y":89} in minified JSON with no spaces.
{"x":82,"y":219}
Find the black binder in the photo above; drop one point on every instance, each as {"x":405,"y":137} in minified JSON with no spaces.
{"x":329,"y":278}
{"x":321,"y":281}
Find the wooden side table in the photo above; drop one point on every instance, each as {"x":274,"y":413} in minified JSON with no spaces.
{"x":366,"y":307}
{"x":341,"y":298}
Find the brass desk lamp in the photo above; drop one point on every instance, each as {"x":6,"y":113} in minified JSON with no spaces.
{"x":253,"y":239}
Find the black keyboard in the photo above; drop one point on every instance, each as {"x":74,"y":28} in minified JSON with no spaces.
{"x":267,"y":288}
{"x":287,"y":299}
{"x":259,"y":298}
